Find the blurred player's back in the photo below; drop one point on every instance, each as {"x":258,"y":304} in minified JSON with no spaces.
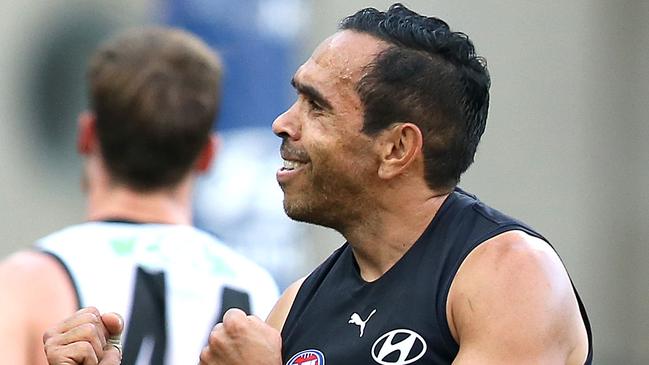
{"x":154,"y":94}
{"x":171,"y":283}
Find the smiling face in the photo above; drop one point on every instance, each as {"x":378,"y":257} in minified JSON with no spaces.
{"x":330,"y":165}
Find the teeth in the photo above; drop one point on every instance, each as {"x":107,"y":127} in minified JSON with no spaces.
{"x":292,"y":165}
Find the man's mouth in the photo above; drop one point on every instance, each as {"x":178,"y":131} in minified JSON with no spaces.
{"x":290,"y":165}
{"x":294,"y":161}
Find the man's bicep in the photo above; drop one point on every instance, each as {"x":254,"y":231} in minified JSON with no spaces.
{"x":35,"y":293}
{"x":278,"y":315}
{"x":15,"y":324}
{"x":14,"y":343}
{"x":512,"y":302}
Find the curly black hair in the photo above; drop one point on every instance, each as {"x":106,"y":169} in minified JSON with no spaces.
{"x":430,"y":76}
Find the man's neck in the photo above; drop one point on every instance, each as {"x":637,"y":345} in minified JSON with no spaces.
{"x":394,"y":227}
{"x":122,"y":203}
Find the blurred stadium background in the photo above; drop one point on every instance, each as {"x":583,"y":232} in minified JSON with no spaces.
{"x":565,"y":148}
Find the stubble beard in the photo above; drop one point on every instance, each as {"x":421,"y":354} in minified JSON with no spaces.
{"x":324,"y":212}
{"x":332,"y":200}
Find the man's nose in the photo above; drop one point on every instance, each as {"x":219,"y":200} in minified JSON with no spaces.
{"x":287,"y":125}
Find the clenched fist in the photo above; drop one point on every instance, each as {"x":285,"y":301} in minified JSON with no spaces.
{"x":242,"y":339}
{"x":83,"y":339}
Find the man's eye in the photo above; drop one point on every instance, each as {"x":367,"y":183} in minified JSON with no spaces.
{"x":313,"y":105}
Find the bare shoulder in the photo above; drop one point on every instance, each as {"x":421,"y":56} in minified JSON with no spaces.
{"x":23,"y":266}
{"x":35,"y":280}
{"x":35,"y":293}
{"x":278,"y":315}
{"x":513,"y":292}
{"x":515,"y":252}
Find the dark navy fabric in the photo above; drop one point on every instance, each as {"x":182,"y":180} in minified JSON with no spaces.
{"x":402,"y":315}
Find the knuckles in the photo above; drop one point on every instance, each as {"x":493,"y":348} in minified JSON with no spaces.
{"x":85,"y":347}
{"x":88,"y":330}
{"x":47,"y":336}
{"x":213,"y":340}
{"x":90,"y":309}
{"x":235,"y":322}
{"x":205,"y":356}
{"x":90,"y":317}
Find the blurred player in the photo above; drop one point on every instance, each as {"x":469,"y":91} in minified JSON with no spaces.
{"x":154,"y":95}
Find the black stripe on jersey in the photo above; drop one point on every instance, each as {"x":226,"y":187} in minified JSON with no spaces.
{"x":148,"y":318}
{"x":231,"y":298}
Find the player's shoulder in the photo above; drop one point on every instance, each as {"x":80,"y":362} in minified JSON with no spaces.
{"x":515,"y":266}
{"x":35,"y":293}
{"x":516,"y":280}
{"x":514,"y":250}
{"x":35,"y":279}
{"x":27,"y":265}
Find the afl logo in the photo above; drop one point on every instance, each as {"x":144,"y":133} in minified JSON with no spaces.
{"x":307,"y":357}
{"x":398,"y":347}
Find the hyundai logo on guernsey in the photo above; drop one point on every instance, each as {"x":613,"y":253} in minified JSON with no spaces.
{"x":307,"y":357}
{"x":398,"y":347}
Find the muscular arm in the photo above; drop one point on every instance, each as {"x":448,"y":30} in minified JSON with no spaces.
{"x":35,"y":293}
{"x":512,"y":302}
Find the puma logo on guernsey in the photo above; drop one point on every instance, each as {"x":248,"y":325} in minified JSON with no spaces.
{"x":357,"y":320}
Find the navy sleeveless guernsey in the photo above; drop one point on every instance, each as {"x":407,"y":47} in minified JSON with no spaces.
{"x":339,"y":319}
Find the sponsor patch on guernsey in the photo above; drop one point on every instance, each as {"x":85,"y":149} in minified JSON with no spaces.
{"x":307,"y":357}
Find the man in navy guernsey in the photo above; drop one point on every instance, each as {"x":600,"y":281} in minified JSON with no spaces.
{"x":389,"y":113}
{"x":154,"y":95}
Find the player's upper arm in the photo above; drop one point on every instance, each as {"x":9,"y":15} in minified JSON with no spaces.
{"x":278,"y":315}
{"x":34,"y":294}
{"x":512,"y":302}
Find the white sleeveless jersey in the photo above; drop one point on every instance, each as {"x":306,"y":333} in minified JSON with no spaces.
{"x":171,"y":283}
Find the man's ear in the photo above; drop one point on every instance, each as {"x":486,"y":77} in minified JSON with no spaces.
{"x":208,"y":154}
{"x":86,"y":132}
{"x":402,"y":145}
